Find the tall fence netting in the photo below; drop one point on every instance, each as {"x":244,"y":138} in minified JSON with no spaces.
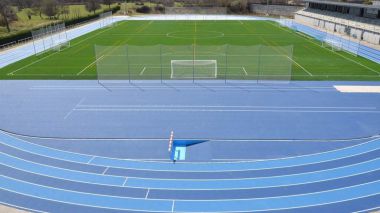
{"x":258,"y":63}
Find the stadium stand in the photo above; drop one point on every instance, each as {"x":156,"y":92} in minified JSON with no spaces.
{"x":354,"y":21}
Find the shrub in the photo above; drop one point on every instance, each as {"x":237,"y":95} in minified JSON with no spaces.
{"x":159,"y":9}
{"x":143,"y":9}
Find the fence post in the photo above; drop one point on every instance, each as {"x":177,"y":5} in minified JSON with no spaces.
{"x":161,"y":63}
{"x":226,"y":64}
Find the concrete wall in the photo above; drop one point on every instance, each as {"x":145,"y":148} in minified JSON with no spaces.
{"x":278,"y":10}
{"x":332,"y":27}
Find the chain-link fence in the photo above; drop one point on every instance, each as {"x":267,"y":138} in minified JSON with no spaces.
{"x":259,"y":64}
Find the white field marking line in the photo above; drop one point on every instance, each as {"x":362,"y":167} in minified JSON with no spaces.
{"x":279,"y":51}
{"x":330,"y":50}
{"x":125,"y":181}
{"x":199,"y":180}
{"x":147,"y":194}
{"x":330,"y":151}
{"x":219,"y":200}
{"x":220,"y":106}
{"x":13,"y":72}
{"x":221,"y":110}
{"x":104,"y":172}
{"x":21,"y":207}
{"x":142,"y":71}
{"x":90,"y":65}
{"x":303,"y":68}
{"x":245,"y":71}
{"x":91,"y":160}
{"x":73,"y":109}
{"x":173,"y":205}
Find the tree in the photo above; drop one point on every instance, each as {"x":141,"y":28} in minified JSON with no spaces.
{"x":92,"y":5}
{"x":50,"y":8}
{"x":7,"y":14}
{"x":37,"y":7}
{"x":108,"y":2}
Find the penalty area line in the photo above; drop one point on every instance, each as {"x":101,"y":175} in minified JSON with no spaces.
{"x":142,"y":71}
{"x":90,"y":65}
{"x":245,"y":71}
{"x":299,"y":65}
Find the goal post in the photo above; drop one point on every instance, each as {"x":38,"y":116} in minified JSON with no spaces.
{"x":194,"y":69}
{"x":196,"y":10}
{"x":106,"y":19}
{"x":52,"y":37}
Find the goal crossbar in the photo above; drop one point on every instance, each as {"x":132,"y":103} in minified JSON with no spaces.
{"x":189,"y":69}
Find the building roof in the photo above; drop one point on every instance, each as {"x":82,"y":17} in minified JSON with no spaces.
{"x":344,"y":4}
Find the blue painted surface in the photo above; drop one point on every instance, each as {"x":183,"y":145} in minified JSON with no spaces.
{"x":238,"y":166}
{"x":369,"y":189}
{"x":84,"y":199}
{"x":66,"y":182}
{"x":60,"y":173}
{"x":255,"y":182}
{"x":54,"y":109}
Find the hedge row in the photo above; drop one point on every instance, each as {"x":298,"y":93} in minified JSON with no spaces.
{"x":28,"y":33}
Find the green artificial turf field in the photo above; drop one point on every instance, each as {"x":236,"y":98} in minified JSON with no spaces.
{"x":310,"y":61}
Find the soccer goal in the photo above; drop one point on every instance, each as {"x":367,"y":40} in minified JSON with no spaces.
{"x":332,"y":42}
{"x":194,"y":69}
{"x":53,"y":37}
{"x":106,"y":19}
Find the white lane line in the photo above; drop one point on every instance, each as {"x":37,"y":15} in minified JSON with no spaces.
{"x":245,"y":71}
{"x":147,"y":194}
{"x":237,"y":179}
{"x":68,"y":114}
{"x":222,"y":106}
{"x":221,"y":110}
{"x":173,"y":206}
{"x":369,"y":210}
{"x":84,"y":69}
{"x":104,"y":172}
{"x":293,"y":157}
{"x":299,"y":65}
{"x":221,"y":200}
{"x":73,"y":109}
{"x":91,"y":160}
{"x":125,"y":182}
{"x":371,"y":140}
{"x":142,"y":71}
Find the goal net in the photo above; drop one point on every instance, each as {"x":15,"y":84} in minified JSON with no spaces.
{"x":53,"y":37}
{"x":194,"y":69}
{"x":106,"y":19}
{"x":196,"y":10}
{"x":196,"y":13}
